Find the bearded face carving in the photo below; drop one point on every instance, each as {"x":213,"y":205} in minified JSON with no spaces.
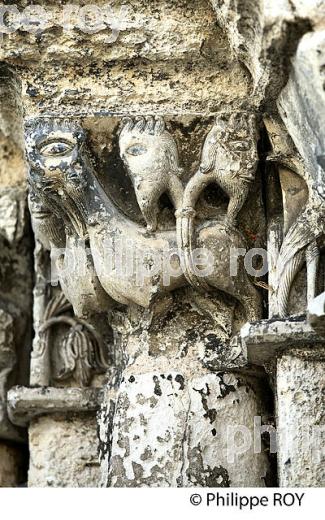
{"x":47,"y":227}
{"x":57,"y":169}
{"x":150,"y":155}
{"x":54,"y":149}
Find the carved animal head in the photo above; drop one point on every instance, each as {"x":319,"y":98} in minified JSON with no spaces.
{"x":58,"y":162}
{"x":230,"y":144}
{"x":148,"y":150}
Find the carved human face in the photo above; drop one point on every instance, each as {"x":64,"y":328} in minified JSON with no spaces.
{"x":37,"y":207}
{"x":58,"y":169}
{"x":55,"y":155}
{"x":147,"y":149}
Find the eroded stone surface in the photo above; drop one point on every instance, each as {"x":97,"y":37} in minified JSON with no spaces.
{"x":301,"y":420}
{"x":169,"y":430}
{"x":63,"y":452}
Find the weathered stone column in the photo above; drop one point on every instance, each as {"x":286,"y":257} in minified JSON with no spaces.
{"x":15,"y":276}
{"x":301,"y":418}
{"x":177,"y":428}
{"x":15,"y":326}
{"x":296,"y":353}
{"x":63,"y":442}
{"x":11,"y":452}
{"x":175,"y":420}
{"x":297,"y":265}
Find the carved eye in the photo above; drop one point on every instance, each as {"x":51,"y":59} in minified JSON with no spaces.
{"x":136,"y":149}
{"x":56,"y":148}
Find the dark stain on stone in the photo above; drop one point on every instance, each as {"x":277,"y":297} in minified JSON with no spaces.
{"x":205,"y":476}
{"x":214,"y":432}
{"x":137,"y":470}
{"x":213,"y":342}
{"x":105,"y":445}
{"x":184,"y":350}
{"x":31,"y":91}
{"x":217,"y":477}
{"x":192,"y":335}
{"x":131,"y":379}
{"x":157,"y":389}
{"x":216,"y":352}
{"x":180,"y":379}
{"x":210,"y":413}
{"x":225,"y":389}
{"x":147,"y":454}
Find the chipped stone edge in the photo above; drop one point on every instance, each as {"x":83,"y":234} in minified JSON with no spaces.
{"x":264,"y":340}
{"x":26,"y":404}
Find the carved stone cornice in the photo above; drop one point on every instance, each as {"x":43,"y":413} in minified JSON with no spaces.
{"x":264,"y":341}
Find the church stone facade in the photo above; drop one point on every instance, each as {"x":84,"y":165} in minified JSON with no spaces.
{"x":162,"y":231}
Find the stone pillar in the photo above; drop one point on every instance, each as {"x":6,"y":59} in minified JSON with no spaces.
{"x":178,"y":428}
{"x":15,"y":276}
{"x":63,"y":443}
{"x":301,"y":418}
{"x":175,"y":421}
{"x":63,"y":452}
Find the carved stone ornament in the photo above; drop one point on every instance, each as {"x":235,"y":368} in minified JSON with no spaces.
{"x":80,"y":352}
{"x":300,"y":157}
{"x":75,"y":208}
{"x":175,"y":181}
